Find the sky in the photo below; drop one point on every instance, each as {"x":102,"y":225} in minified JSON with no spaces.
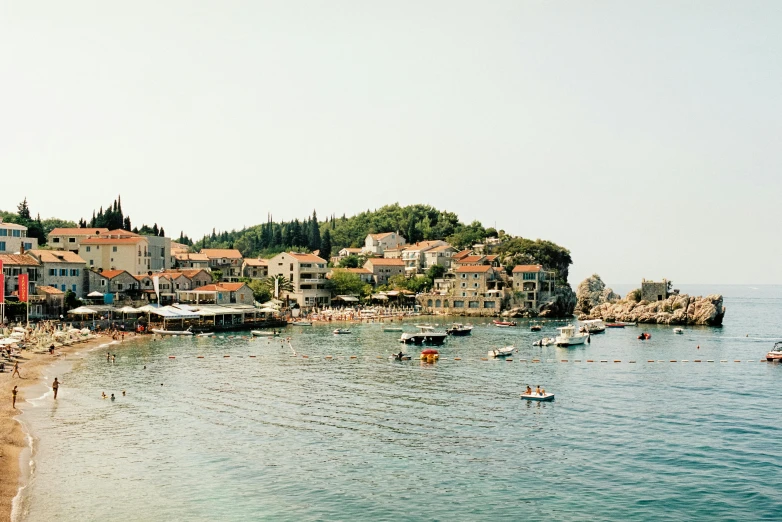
{"x":643,"y":136}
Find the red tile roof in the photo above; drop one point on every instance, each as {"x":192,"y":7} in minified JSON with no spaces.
{"x":527,"y":268}
{"x":214,"y":253}
{"x":19,"y":259}
{"x":78,"y":231}
{"x":111,"y":274}
{"x":57,"y":256}
{"x":48,"y":290}
{"x":463,"y":253}
{"x":381,"y":235}
{"x":473,"y":269}
{"x":354,"y":270}
{"x":307,"y":258}
{"x":184,"y":256}
{"x":256,"y":262}
{"x":220,"y":287}
{"x":385,"y":261}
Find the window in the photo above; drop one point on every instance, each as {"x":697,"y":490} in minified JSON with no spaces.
{"x":473,"y":304}
{"x":464,"y":276}
{"x":52,"y":271}
{"x":88,"y":249}
{"x":62,"y":287}
{"x":2,"y":245}
{"x":530,"y":276}
{"x":55,"y":240}
{"x":488,"y":304}
{"x":63,"y":272}
{"x":476,"y":285}
{"x":28,"y":246}
{"x":75,"y":272}
{"x":16,"y":233}
{"x":120,"y":286}
{"x":73,"y":288}
{"x":92,"y":263}
{"x":475,"y":276}
{"x":70,"y":240}
{"x":3,"y":231}
{"x":113,"y":249}
{"x":102,"y":282}
{"x":458,"y":304}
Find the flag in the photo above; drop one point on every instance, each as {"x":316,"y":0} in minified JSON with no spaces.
{"x":24,"y":287}
{"x":2,"y":286}
{"x":276,"y":288}
{"x":156,"y":285}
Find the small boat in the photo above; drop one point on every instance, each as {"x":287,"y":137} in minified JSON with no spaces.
{"x":678,"y":330}
{"x":265,"y":333}
{"x":459,"y":329}
{"x":401,"y":356}
{"x":206,"y":334}
{"x":568,"y":336}
{"x":645,"y":336}
{"x":430,"y":355}
{"x":776,"y":352}
{"x":615,"y":325}
{"x":341,"y":331}
{"x":535,"y":328}
{"x":502,"y":352}
{"x":171,"y":332}
{"x":593,"y":326}
{"x":393,"y":329}
{"x":504,"y":324}
{"x":426,"y":335}
{"x":537,"y":397}
{"x":544,"y":342}
{"x":301,"y":323}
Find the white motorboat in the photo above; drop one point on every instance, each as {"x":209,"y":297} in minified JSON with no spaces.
{"x":301,"y":323}
{"x":545,"y":341}
{"x":393,"y":329}
{"x":264,"y":333}
{"x":206,"y":334}
{"x":593,"y":326}
{"x":776,"y":352}
{"x":678,"y":330}
{"x":459,"y":329}
{"x":426,"y":335}
{"x":537,"y":396}
{"x":569,"y":337}
{"x":341,"y":331}
{"x":502,"y":352}
{"x":171,"y":332}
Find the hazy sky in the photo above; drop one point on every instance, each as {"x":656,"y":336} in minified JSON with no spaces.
{"x":643,"y":136}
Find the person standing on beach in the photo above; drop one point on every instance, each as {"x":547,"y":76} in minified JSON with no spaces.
{"x":14,"y":391}
{"x":16,"y":370}
{"x":55,"y":387}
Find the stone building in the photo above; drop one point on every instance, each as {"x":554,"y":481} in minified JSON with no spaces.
{"x":655,"y":291}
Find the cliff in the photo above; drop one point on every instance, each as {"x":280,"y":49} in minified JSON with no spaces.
{"x":677,"y":309}
{"x":592,"y":292}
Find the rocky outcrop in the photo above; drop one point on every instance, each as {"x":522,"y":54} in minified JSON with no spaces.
{"x":677,"y":309}
{"x":592,"y":292}
{"x":561,"y":304}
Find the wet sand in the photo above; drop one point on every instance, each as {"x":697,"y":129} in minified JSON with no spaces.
{"x":13,"y":440}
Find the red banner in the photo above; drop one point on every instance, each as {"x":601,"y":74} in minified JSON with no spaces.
{"x":24,"y":287}
{"x":2,"y":286}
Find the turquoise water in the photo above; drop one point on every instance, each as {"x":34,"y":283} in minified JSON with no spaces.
{"x":277,"y":437}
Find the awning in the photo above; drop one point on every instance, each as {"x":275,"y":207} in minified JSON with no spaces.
{"x":95,"y":294}
{"x":380,"y":297}
{"x":347,"y":298}
{"x":83,"y":310}
{"x":169,"y":312}
{"x":128,"y":310}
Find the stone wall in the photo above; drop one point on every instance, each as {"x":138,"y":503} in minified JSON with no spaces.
{"x":462,"y":306}
{"x":654,"y":291}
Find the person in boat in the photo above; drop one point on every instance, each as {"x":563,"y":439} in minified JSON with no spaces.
{"x":542,"y":392}
{"x":529,"y":390}
{"x":537,"y":390}
{"x":400,"y":355}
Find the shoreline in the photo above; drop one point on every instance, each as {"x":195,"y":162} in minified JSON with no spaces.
{"x":15,"y":438}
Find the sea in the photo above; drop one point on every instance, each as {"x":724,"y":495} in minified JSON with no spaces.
{"x":326,"y":427}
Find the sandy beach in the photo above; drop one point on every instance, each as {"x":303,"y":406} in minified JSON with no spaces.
{"x":12,"y":437}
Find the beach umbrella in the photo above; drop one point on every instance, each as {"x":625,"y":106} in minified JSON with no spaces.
{"x":430,"y":351}
{"x":82,"y":310}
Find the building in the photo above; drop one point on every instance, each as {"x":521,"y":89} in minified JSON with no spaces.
{"x":476,"y":281}
{"x":307,"y":274}
{"x":62,"y":269}
{"x":219,"y":294}
{"x":475,"y":260}
{"x":70,"y":238}
{"x":383,"y":269}
{"x":227,"y":260}
{"x":439,"y":255}
{"x":255,"y":268}
{"x":120,"y":283}
{"x":532,"y":284}
{"x":189,"y":260}
{"x":14,"y":240}
{"x":376,"y":244}
{"x":415,"y":257}
{"x":117,"y":251}
{"x":656,"y":291}
{"x":16,"y":264}
{"x":51,"y":303}
{"x":159,"y":249}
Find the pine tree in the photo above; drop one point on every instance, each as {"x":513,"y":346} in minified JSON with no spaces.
{"x":126,"y":224}
{"x":162,"y":232}
{"x":325,"y":245}
{"x":314,"y":239}
{"x":155,"y":229}
{"x":24,"y":211}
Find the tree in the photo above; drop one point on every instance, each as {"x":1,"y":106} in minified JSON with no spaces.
{"x":71,"y":301}
{"x":435,"y":272}
{"x":23,"y":210}
{"x":351,"y":261}
{"x":325,"y":245}
{"x":346,"y":283}
{"x":216,"y":275}
{"x":314,"y":239}
{"x":284,"y":286}
{"x":260,"y":290}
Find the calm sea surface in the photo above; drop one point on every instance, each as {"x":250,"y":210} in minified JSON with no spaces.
{"x":277,"y":437}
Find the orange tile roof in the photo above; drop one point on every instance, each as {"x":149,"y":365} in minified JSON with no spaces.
{"x":220,"y":287}
{"x":57,"y":256}
{"x":111,"y":274}
{"x":49,"y":290}
{"x":213,"y":253}
{"x":441,"y":248}
{"x":473,"y":269}
{"x":385,"y":261}
{"x":309,"y":258}
{"x":121,"y":232}
{"x":78,"y":231}
{"x":354,"y":270}
{"x":463,"y":253}
{"x":351,"y":250}
{"x":19,"y":259}
{"x":381,"y":235}
{"x":191,"y":257}
{"x":112,"y":241}
{"x":527,"y":268}
{"x":190,"y":274}
{"x":256,"y":262}
{"x":470,"y":259}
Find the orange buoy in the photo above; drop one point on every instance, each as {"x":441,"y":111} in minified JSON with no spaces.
{"x":199,"y":357}
{"x":171,"y":357}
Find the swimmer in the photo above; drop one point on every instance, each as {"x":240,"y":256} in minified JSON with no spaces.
{"x":112,"y":397}
{"x":55,"y":387}
{"x":103,"y":395}
{"x":123,"y":393}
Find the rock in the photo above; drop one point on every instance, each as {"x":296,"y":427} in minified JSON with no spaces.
{"x":561,"y":304}
{"x":592,"y":292}
{"x":677,"y":309}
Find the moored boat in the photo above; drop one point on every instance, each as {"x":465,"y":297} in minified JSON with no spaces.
{"x":264,"y":333}
{"x":545,"y":341}
{"x":678,"y":330}
{"x":459,"y":329}
{"x":502,"y":352}
{"x":393,"y":329}
{"x":645,"y":336}
{"x":535,"y":327}
{"x":776,"y":352}
{"x":301,"y":323}
{"x":593,"y":326}
{"x":341,"y":331}
{"x":504,"y":324}
{"x":426,"y":335}
{"x":569,"y":337}
{"x":171,"y":332}
{"x":401,"y":356}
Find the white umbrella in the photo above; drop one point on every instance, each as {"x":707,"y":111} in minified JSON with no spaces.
{"x":82,"y":310}
{"x":95,"y":294}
